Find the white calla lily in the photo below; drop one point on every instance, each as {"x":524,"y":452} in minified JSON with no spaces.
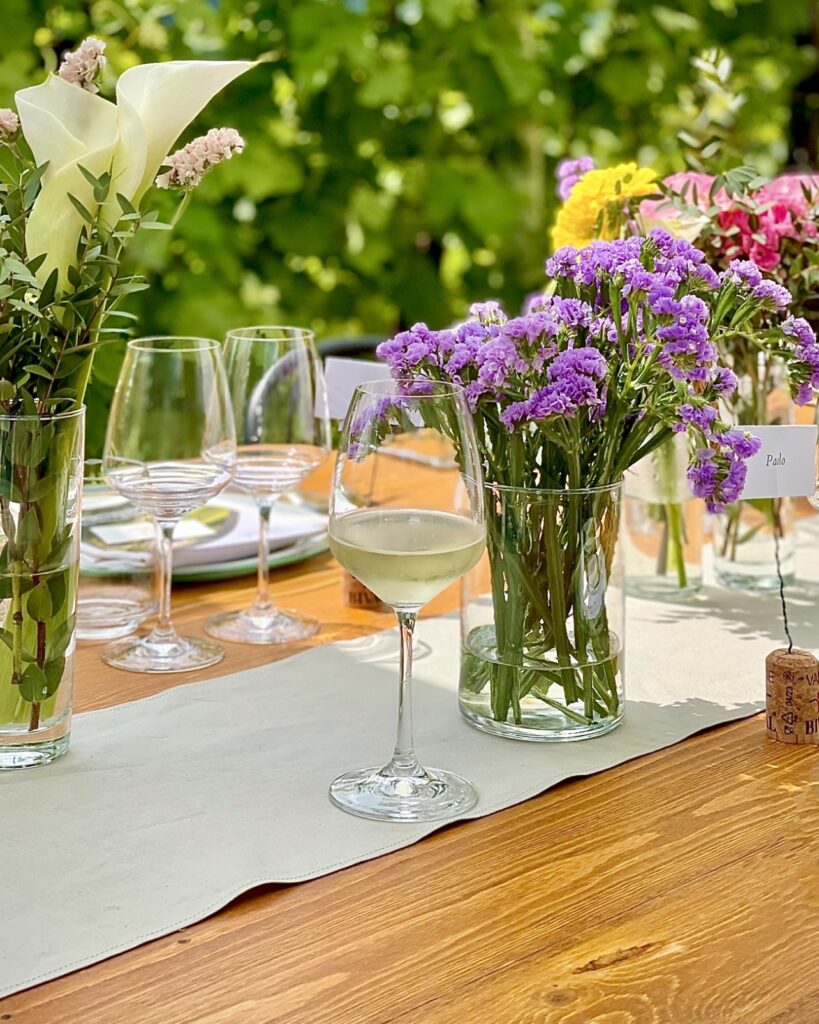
{"x":70,"y":128}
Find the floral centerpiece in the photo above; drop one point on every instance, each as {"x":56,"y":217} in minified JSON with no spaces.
{"x":774,"y":225}
{"x":771,"y":228}
{"x":619,"y":353}
{"x":75,"y":169}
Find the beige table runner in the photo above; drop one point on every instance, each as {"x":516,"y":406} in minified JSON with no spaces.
{"x":165,"y":809}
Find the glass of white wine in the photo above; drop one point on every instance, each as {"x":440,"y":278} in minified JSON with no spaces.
{"x":421,"y":529}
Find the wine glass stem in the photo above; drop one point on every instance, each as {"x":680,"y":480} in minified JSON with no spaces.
{"x":263,"y":602}
{"x":164,"y":631}
{"x":404,"y":762}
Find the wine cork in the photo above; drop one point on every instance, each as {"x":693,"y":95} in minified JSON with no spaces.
{"x":356,"y":595}
{"x":792,"y":696}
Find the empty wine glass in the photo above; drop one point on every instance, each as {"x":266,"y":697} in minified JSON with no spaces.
{"x":170,"y":447}
{"x":422,"y":529}
{"x":283,"y":433}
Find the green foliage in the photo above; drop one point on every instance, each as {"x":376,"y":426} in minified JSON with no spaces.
{"x":47,"y":337}
{"x":400,"y":154}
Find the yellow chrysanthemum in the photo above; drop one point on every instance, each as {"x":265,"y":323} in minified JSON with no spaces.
{"x":600,"y":192}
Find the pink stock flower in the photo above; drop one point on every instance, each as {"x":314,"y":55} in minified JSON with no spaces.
{"x":9,"y":121}
{"x":83,"y":65}
{"x":189,"y":164}
{"x":662,"y":213}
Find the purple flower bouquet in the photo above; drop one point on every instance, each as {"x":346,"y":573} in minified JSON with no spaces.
{"x":619,"y":352}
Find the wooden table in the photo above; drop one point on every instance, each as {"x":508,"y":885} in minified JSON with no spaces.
{"x":681,"y":888}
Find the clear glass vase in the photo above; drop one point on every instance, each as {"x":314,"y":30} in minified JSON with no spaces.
{"x":745,"y":534}
{"x":745,"y":537}
{"x":663,"y":526}
{"x":41,"y":468}
{"x":543,"y":616}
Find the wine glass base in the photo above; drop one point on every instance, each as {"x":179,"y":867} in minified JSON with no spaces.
{"x":142,"y":654}
{"x":377,"y":793}
{"x":278,"y":627}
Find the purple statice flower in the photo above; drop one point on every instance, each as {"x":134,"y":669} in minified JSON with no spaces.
{"x":707,"y":274}
{"x":687,"y":352}
{"x":772,"y":295}
{"x":744,"y":445}
{"x":702,"y":473}
{"x":637,"y":278}
{"x":585,"y":362}
{"x":572,"y":312}
{"x":573,"y":378}
{"x":723,"y":381}
{"x":700,"y":416}
{"x":497,"y":361}
{"x":490,"y":312}
{"x":717,"y":474}
{"x":531,"y":327}
{"x":563,"y":263}
{"x":799,"y":328}
{"x":742,"y":272}
{"x":409,"y":349}
{"x":605,"y":258}
{"x":569,"y":172}
{"x":803,"y":394}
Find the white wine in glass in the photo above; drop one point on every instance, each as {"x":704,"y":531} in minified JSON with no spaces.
{"x":410,"y":543}
{"x":407,"y":556}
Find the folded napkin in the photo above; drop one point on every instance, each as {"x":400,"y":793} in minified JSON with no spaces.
{"x":224,"y":530}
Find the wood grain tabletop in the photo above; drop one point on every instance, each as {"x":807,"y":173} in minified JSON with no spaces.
{"x":679,"y":888}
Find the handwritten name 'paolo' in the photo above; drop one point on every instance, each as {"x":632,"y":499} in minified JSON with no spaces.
{"x":775,"y":460}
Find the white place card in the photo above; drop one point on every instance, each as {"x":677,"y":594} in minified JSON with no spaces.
{"x":342,"y":377}
{"x":785,"y":465}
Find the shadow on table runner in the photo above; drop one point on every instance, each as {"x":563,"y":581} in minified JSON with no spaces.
{"x":168,"y":808}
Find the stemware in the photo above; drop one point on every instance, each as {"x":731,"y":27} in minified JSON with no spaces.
{"x":421,"y":530}
{"x":283,"y":434}
{"x":170,"y":447}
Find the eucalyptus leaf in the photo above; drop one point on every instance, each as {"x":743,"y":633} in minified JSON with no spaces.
{"x":34,"y":684}
{"x":38,"y":602}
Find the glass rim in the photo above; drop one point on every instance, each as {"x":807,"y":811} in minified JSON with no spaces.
{"x":44,"y":417}
{"x":290,"y":332}
{"x":551,"y":492}
{"x":379,"y":385}
{"x":152,"y":343}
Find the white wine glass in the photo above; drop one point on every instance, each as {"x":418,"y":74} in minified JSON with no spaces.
{"x":170,"y":447}
{"x":423,"y":528}
{"x":283,"y":434}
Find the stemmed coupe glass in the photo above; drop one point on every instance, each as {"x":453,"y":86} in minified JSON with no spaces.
{"x":170,"y":447}
{"x":421,"y":530}
{"x":283,"y":433}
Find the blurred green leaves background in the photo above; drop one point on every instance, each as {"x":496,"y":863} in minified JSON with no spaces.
{"x":400,"y":158}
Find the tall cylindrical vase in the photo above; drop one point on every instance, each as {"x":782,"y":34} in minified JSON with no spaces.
{"x":41,"y":467}
{"x":543,"y":614}
{"x":663,"y":526}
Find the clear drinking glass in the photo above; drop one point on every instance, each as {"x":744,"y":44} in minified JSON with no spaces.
{"x":118,"y":565}
{"x":422,"y":530}
{"x":283,"y":434}
{"x":170,"y":447}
